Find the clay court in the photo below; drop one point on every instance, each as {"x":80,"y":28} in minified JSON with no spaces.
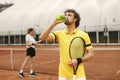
{"x":103,"y":66}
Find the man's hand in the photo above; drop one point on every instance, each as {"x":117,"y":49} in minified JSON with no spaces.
{"x":45,"y":34}
{"x":57,"y":21}
{"x":73,"y":62}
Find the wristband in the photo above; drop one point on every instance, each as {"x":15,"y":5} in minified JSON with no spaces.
{"x":79,"y":60}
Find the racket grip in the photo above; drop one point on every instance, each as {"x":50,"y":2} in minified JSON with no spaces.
{"x":39,"y":41}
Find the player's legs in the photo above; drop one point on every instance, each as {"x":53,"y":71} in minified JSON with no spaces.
{"x":25,"y":62}
{"x":31,"y":67}
{"x":23,"y":65}
{"x":32,"y":54}
{"x":31,"y":64}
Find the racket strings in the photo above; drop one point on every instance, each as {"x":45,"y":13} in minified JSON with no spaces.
{"x":76,"y":50}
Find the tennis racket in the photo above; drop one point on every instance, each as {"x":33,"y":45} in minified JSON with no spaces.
{"x":76,"y":50}
{"x":39,"y":41}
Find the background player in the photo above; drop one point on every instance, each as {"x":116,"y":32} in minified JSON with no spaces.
{"x":30,"y":52}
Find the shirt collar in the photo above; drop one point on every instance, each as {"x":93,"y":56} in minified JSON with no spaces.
{"x":73,"y":31}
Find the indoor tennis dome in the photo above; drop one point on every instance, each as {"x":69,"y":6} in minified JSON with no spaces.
{"x":39,"y":14}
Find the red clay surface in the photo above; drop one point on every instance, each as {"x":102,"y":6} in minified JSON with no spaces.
{"x":103,"y":66}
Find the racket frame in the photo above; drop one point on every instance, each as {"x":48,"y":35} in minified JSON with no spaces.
{"x":75,"y":69}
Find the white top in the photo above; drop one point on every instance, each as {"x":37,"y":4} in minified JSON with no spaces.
{"x":30,"y":39}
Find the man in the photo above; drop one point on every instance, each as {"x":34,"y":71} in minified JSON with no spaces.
{"x":63,"y":37}
{"x":30,"y":53}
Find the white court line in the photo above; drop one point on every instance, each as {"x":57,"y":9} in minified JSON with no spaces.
{"x":46,"y":62}
{"x":106,"y":49}
{"x":43,"y":63}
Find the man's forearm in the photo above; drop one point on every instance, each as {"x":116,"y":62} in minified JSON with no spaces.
{"x":88,"y":56}
{"x":46,"y":32}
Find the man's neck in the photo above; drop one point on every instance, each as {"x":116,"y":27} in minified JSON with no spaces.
{"x":71,"y":28}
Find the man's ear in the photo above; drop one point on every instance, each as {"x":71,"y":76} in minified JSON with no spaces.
{"x":75,"y":20}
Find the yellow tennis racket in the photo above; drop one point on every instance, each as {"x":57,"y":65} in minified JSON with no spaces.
{"x":76,"y":50}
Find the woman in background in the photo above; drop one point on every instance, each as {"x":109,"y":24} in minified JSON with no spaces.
{"x":30,"y":52}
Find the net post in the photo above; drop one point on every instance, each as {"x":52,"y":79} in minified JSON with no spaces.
{"x":11,"y":53}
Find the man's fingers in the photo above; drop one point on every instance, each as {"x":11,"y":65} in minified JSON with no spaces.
{"x":72,"y":63}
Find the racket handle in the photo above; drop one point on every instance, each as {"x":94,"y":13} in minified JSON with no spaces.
{"x":39,"y":41}
{"x":74,"y":77}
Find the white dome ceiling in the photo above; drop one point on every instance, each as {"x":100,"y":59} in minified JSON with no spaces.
{"x":29,"y":13}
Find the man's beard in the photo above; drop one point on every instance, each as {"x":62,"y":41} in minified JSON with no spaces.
{"x":67,"y":22}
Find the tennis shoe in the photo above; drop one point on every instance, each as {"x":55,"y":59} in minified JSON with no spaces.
{"x":21,"y":74}
{"x":32,"y":74}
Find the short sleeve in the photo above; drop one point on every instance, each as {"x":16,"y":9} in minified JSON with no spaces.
{"x":27,"y":38}
{"x":55,"y":35}
{"x":88,"y":44}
